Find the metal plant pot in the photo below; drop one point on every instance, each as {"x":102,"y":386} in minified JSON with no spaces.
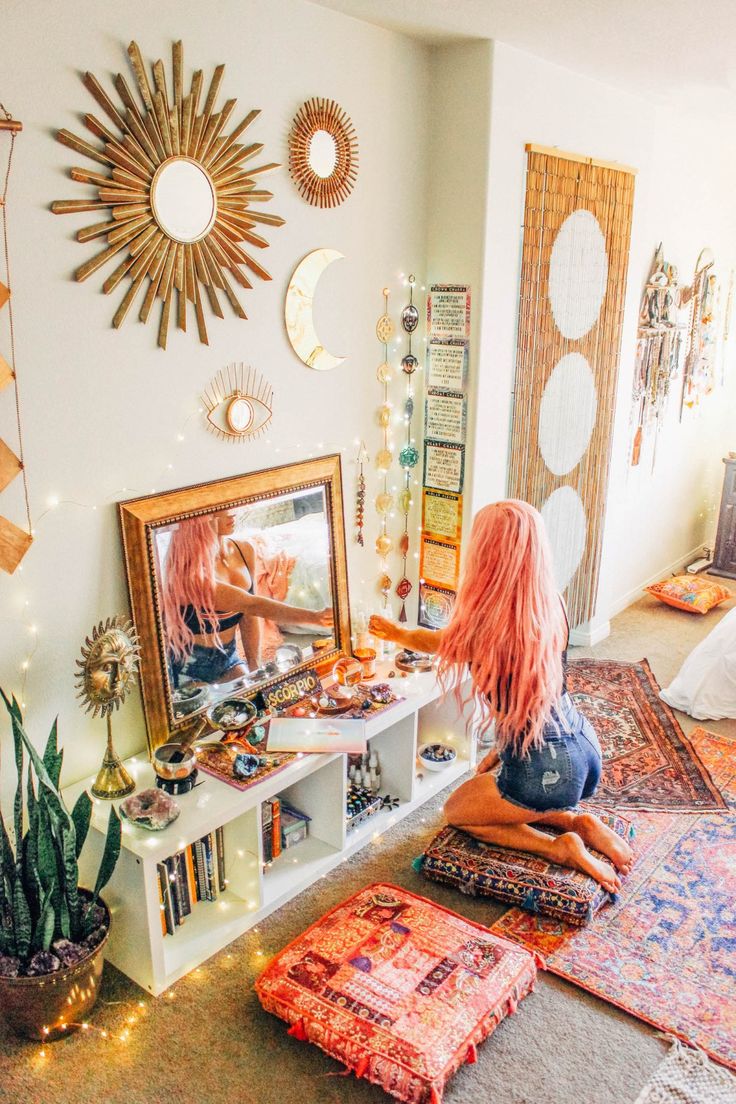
{"x":52,"y":1005}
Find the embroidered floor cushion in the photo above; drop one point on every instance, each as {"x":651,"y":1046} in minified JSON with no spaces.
{"x":397,"y":988}
{"x":517,"y":877}
{"x":693,"y":593}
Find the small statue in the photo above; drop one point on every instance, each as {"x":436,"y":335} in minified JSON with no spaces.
{"x":107,"y":674}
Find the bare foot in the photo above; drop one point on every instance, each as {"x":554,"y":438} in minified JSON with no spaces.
{"x":597,"y":835}
{"x":569,"y":850}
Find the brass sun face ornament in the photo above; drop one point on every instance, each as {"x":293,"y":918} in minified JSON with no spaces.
{"x":107,"y":673}
{"x":177,"y":195}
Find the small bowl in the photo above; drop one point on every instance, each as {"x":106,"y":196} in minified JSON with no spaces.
{"x":428,"y":752}
{"x":343,"y":702}
{"x":414,"y":661}
{"x":184,"y":761}
{"x":232,"y":715}
{"x":188,"y":699}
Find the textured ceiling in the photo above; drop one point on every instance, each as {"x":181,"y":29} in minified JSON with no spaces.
{"x":675,"y":50}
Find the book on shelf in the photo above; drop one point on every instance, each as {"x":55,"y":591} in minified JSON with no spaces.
{"x":195,"y":874}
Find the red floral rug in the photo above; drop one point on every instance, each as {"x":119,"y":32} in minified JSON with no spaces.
{"x":665,"y":951}
{"x":648,"y":761}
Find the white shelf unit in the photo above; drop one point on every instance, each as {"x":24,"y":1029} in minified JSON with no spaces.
{"x":315,"y":784}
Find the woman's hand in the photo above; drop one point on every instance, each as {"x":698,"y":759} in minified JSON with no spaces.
{"x":382,"y":628}
{"x":489,"y":762}
{"x":324,"y":618}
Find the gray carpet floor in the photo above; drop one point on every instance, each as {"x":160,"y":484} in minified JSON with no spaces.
{"x":210,"y":1041}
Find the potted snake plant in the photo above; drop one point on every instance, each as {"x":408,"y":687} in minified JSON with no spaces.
{"x":52,"y":932}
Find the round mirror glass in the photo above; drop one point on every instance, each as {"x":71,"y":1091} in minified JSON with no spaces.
{"x":239,"y":414}
{"x":322,"y":154}
{"x":183,"y":200}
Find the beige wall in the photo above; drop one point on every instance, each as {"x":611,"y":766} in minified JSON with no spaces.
{"x":104,"y":410}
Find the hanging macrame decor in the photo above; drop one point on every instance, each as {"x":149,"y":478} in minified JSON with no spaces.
{"x":14,"y":541}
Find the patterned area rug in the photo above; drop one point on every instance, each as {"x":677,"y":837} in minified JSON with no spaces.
{"x":666,"y":950}
{"x":649,"y":763}
{"x":687,"y":1077}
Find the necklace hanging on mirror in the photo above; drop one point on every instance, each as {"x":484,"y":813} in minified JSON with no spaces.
{"x":360,"y":495}
{"x":384,"y":499}
{"x":409,"y":455}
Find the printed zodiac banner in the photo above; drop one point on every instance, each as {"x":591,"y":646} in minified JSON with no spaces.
{"x":445,"y":428}
{"x":577,"y":227}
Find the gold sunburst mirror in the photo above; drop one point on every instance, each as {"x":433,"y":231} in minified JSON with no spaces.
{"x":323,"y":153}
{"x":177,"y":192}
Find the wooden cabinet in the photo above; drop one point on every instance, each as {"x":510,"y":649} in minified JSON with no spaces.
{"x":724,"y":559}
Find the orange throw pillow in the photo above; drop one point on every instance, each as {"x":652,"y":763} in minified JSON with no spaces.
{"x":694,"y":593}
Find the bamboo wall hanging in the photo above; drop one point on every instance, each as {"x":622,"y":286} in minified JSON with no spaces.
{"x":577,"y":227}
{"x":14,"y":541}
{"x":176,"y":194}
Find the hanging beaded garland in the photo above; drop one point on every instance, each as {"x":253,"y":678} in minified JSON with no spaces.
{"x":384,"y":499}
{"x":360,"y":495}
{"x":409,"y":455}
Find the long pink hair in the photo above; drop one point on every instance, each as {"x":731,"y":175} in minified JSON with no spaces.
{"x":189,"y":580}
{"x":508,"y":626}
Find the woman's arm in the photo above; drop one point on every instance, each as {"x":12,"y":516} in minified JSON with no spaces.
{"x":232,"y":599}
{"x":416,"y":640}
{"x":250,"y":627}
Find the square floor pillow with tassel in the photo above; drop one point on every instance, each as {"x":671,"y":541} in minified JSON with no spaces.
{"x":397,"y":988}
{"x":517,"y":877}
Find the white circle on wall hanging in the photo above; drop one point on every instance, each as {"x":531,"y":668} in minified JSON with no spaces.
{"x":578,"y":274}
{"x":564,"y":517}
{"x":567,"y":413}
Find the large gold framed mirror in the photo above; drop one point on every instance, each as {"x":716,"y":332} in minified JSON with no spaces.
{"x":234,"y":585}
{"x":176,"y":193}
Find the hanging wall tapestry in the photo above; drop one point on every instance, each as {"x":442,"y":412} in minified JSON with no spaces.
{"x":177,"y":191}
{"x":577,"y":226}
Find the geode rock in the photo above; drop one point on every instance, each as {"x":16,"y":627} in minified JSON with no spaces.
{"x":68,"y":953}
{"x":9,"y":966}
{"x":151,"y":809}
{"x":95,"y":938}
{"x":43,"y":962}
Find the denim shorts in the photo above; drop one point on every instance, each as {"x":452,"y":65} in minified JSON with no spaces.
{"x":566,"y":769}
{"x":206,"y":664}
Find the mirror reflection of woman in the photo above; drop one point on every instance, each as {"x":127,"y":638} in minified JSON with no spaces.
{"x":209,"y":600}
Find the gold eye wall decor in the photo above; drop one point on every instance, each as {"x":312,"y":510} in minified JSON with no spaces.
{"x":177,"y":195}
{"x":238,"y":402}
{"x":323,"y":153}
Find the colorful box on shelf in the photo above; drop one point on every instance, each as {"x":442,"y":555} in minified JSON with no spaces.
{"x":294,"y":826}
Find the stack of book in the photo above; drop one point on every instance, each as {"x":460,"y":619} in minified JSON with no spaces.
{"x":195,"y":874}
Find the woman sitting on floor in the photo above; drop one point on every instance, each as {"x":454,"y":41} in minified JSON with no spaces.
{"x":509,"y":631}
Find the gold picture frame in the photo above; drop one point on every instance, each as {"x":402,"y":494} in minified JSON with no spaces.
{"x":141,"y":518}
{"x":177,"y":194}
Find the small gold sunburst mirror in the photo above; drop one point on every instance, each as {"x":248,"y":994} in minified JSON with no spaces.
{"x":177,"y":192}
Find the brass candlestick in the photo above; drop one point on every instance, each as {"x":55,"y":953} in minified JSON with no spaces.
{"x":107,"y":674}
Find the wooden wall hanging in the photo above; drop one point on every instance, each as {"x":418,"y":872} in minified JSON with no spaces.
{"x":323,"y":153}
{"x":14,"y":541}
{"x":577,"y":227}
{"x":176,"y":194}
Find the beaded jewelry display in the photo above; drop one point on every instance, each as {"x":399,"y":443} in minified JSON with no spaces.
{"x":409,"y":455}
{"x":360,"y":495}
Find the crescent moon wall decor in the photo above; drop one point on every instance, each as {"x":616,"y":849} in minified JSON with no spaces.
{"x":577,"y":226}
{"x":298,"y":310}
{"x":177,"y":192}
{"x":323,"y":153}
